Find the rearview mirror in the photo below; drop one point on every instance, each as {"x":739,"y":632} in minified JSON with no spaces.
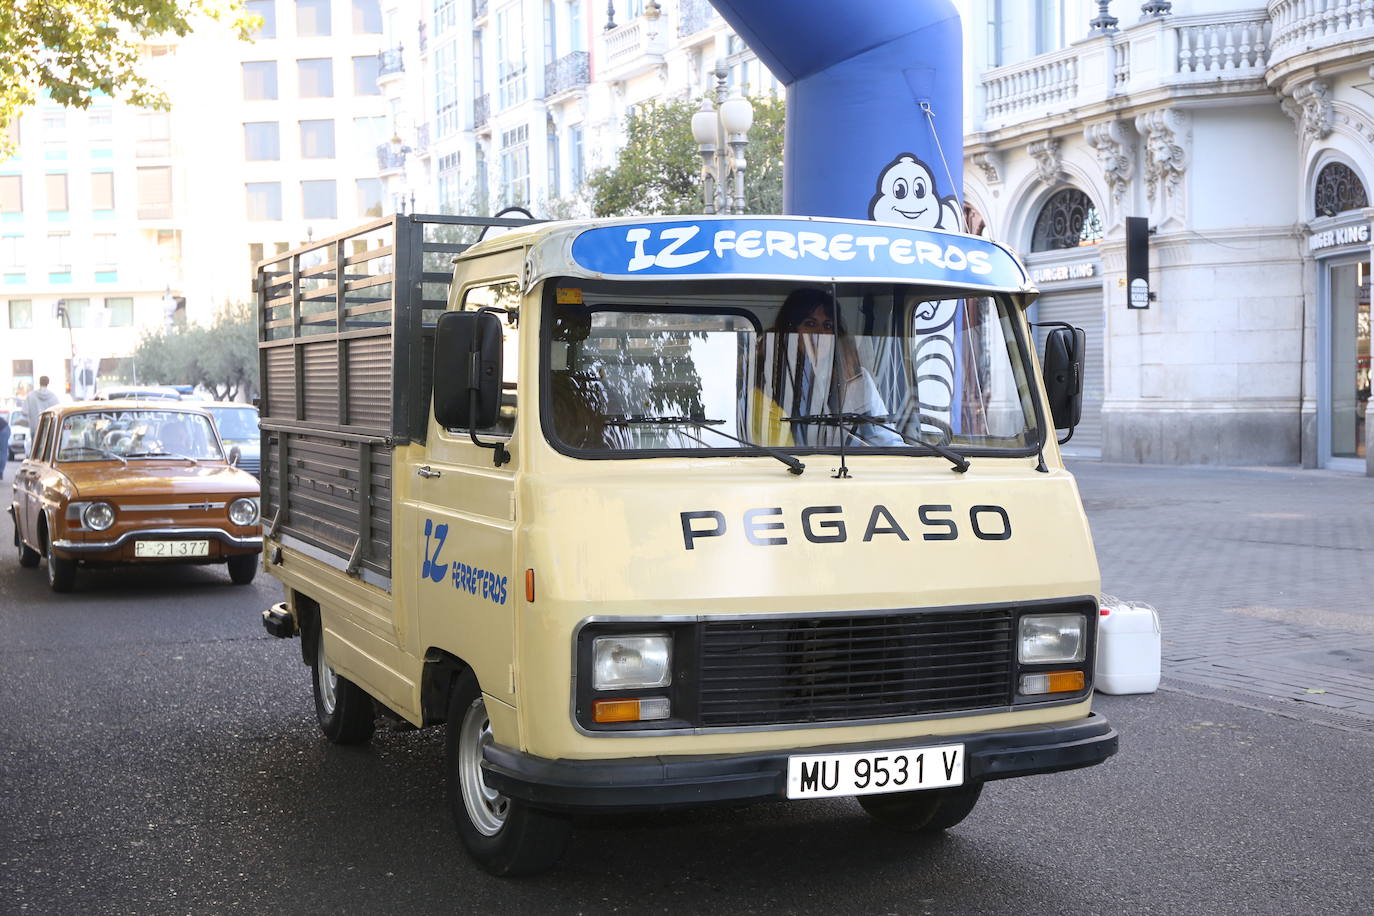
{"x":467,"y":361}
{"x":235,"y":455}
{"x":467,"y":374}
{"x":1063,"y":373}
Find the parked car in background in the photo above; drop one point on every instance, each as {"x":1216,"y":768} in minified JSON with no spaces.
{"x":238,"y":428}
{"x":144,"y":392}
{"x":137,"y":482}
{"x":19,"y":432}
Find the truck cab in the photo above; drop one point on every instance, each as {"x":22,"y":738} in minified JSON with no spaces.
{"x":676,"y":511}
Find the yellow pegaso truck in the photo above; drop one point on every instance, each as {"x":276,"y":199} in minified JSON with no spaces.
{"x":679,"y":511}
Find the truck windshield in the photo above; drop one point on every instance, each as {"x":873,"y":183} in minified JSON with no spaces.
{"x":801,"y":367}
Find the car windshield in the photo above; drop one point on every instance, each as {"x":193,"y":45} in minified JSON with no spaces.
{"x":805,"y":367}
{"x":102,"y":435}
{"x":235,"y":423}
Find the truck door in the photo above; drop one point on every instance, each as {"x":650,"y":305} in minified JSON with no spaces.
{"x":458,"y":517}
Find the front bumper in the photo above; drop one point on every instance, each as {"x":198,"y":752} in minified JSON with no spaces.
{"x":662,"y":782}
{"x":253,"y":542}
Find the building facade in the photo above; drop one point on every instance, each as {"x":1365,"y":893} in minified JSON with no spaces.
{"x":499,"y":103}
{"x":1244,"y":134}
{"x":115,"y":221}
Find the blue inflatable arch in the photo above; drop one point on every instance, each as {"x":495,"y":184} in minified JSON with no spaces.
{"x":874,"y":104}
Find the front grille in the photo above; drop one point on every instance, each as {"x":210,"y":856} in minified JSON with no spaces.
{"x":251,"y":465}
{"x":819,"y":669}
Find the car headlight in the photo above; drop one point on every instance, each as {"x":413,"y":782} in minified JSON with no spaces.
{"x":629,"y":662}
{"x":243,"y":511}
{"x":1047,"y":639}
{"x":98,"y":516}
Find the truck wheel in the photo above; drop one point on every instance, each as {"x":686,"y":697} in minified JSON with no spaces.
{"x":506,"y":836}
{"x":28,"y":557}
{"x":243,"y":568}
{"x":343,"y":708}
{"x":61,"y":572}
{"x":927,"y":811}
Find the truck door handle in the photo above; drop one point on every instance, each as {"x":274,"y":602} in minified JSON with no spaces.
{"x":427,"y":472}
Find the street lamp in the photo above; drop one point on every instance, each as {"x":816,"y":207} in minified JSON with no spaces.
{"x":724,"y":122}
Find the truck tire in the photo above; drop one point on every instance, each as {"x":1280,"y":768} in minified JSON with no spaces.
{"x":61,"y":572}
{"x":243,"y":568}
{"x":507,"y":837}
{"x":343,"y":709}
{"x":926,"y":811}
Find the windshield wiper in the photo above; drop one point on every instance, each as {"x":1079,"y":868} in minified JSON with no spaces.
{"x":840,"y":419}
{"x":793,"y":465}
{"x":103,"y":451}
{"x":163,"y":455}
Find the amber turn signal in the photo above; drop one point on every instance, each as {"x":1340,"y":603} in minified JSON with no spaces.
{"x":1052,"y":682}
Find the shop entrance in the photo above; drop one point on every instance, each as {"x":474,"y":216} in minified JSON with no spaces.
{"x":1345,"y":382}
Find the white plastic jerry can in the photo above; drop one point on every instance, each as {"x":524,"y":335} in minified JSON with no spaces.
{"x":1128,"y":648}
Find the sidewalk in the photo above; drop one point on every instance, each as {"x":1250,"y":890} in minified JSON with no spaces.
{"x":1263,"y":578}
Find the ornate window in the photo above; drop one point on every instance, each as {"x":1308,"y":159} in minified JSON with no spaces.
{"x":974,"y":223}
{"x":1338,"y":189}
{"x":1068,"y":219}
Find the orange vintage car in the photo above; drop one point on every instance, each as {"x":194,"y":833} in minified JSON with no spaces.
{"x":134,"y":482}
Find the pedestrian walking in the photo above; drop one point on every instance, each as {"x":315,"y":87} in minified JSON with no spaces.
{"x":4,"y":443}
{"x":39,"y":400}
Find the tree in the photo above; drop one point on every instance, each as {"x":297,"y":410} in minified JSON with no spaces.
{"x":222,"y":358}
{"x":659,"y":170}
{"x":73,"y":50}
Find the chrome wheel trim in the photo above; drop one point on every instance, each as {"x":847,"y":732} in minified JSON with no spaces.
{"x":328,"y":681}
{"x":487,"y":809}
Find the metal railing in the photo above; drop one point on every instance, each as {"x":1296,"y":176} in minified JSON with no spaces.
{"x":390,"y":158}
{"x":390,"y":61}
{"x":693,"y":16}
{"x":571,"y":71}
{"x":481,"y":110}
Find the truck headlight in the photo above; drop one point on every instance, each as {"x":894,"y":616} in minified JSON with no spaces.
{"x":631,"y":662}
{"x":243,"y":511}
{"x":1048,"y":639}
{"x":98,"y":516}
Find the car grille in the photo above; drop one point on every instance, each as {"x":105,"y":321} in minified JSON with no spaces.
{"x":818,"y":669}
{"x":252,"y":465}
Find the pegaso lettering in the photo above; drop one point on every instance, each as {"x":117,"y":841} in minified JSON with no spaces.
{"x":668,"y":244}
{"x":768,"y":526}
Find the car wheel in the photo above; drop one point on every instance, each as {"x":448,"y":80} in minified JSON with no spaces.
{"x":926,"y":811}
{"x":506,"y":836}
{"x":343,"y":709}
{"x":243,"y":568}
{"x":61,"y":572}
{"x":28,"y":557}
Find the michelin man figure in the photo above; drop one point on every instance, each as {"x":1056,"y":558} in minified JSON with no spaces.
{"x":907,"y":194}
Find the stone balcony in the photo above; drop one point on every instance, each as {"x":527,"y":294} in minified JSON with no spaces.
{"x":1335,"y":34}
{"x":1175,"y":56}
{"x":634,"y":48}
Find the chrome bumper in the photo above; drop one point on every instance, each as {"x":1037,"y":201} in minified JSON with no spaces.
{"x":181,"y":534}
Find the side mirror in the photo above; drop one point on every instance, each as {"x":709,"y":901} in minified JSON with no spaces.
{"x":235,"y":455}
{"x":1063,"y":369}
{"x":467,"y":374}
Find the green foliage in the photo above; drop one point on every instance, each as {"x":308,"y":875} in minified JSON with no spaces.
{"x":659,"y":171}
{"x":223,"y":357}
{"x":72,"y":50}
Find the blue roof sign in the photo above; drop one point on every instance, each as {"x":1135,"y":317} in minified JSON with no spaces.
{"x":795,"y":248}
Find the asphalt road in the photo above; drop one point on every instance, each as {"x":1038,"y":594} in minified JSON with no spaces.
{"x":158,"y":754}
